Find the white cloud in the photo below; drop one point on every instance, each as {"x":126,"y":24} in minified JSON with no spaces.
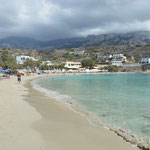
{"x":51,"y":19}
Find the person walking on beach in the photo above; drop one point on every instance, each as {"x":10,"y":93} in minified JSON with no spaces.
{"x":19,"y":77}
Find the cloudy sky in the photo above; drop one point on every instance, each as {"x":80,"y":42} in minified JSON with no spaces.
{"x":53,"y":19}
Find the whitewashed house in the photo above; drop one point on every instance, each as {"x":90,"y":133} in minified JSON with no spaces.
{"x":119,"y":57}
{"x":104,"y":57}
{"x":21,"y":59}
{"x":79,"y":52}
{"x":48,"y":63}
{"x":145,"y":60}
{"x":116,"y":63}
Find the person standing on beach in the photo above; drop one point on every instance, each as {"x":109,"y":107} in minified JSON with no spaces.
{"x":19,"y":77}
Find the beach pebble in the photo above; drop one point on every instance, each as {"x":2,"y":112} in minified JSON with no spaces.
{"x":133,"y":141}
{"x":127,"y":137}
{"x":143,"y":146}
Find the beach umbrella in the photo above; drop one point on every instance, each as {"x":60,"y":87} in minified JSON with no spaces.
{"x":2,"y":70}
{"x":8,"y":70}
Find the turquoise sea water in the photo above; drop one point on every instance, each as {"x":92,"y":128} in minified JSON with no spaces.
{"x":119,"y":100}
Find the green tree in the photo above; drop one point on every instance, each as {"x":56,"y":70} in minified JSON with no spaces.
{"x":31,"y":64}
{"x":145,"y":67}
{"x":112,"y":68}
{"x":7,"y":61}
{"x":44,"y":67}
{"x":88,"y":63}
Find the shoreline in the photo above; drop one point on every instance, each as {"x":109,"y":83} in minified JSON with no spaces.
{"x":48,"y":123}
{"x":116,"y":133}
{"x":95,"y":121}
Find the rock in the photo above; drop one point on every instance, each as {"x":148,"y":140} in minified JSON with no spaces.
{"x":133,"y":141}
{"x":127,"y":137}
{"x":143,"y":146}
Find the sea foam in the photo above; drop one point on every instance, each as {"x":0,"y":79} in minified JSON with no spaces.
{"x":92,"y":118}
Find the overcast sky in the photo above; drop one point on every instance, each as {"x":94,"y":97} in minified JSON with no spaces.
{"x":53,"y":19}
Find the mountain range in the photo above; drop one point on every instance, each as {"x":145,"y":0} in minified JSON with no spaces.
{"x":113,"y":39}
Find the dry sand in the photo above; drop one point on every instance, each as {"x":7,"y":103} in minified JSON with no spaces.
{"x":31,"y":121}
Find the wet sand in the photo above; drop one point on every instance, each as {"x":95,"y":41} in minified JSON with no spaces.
{"x":63,"y":129}
{"x":29,"y":120}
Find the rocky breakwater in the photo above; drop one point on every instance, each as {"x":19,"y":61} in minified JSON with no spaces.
{"x":141,"y":144}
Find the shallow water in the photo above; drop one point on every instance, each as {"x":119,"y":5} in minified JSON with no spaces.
{"x":119,"y":100}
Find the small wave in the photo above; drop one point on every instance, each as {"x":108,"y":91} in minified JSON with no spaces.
{"x":92,"y":119}
{"x":71,"y":104}
{"x":53,"y":94}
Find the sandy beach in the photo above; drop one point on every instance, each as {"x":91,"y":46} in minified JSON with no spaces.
{"x":29,"y":120}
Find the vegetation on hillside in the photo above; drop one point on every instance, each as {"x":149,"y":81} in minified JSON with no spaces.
{"x":112,"y":68}
{"x":8,"y":61}
{"x":134,"y":53}
{"x":145,"y":67}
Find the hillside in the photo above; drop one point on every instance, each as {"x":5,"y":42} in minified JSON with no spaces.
{"x":61,"y":55}
{"x":113,"y":39}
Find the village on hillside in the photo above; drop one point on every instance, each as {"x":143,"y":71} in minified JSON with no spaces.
{"x":74,"y":60}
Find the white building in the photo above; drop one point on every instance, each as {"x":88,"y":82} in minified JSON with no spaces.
{"x":145,"y":61}
{"x":104,"y":57}
{"x":21,"y":59}
{"x":48,"y":63}
{"x":72,"y":65}
{"x":117,"y":55}
{"x":116,"y":63}
{"x":79,"y":52}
